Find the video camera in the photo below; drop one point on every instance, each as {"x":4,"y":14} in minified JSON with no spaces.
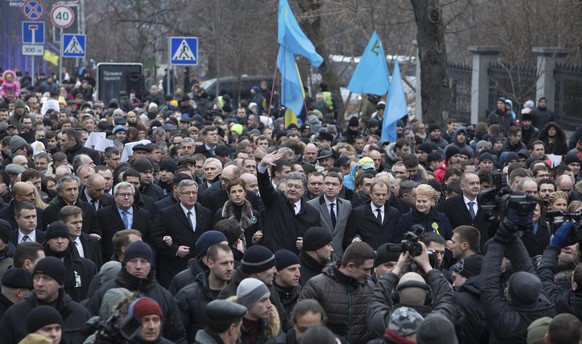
{"x":501,"y":202}
{"x":410,"y":243}
{"x":111,"y":330}
{"x":558,"y":217}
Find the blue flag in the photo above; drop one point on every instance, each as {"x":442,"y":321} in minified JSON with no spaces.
{"x":292,"y":37}
{"x":371,"y":75}
{"x":291,"y":86}
{"x":396,"y":106}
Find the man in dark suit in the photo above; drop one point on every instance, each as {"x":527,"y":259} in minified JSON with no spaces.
{"x":210,"y":135}
{"x":25,"y":215}
{"x":122,"y":215}
{"x":23,"y":192}
{"x":464,"y":209}
{"x":94,"y":192}
{"x":212,"y":169}
{"x":176,"y":230}
{"x":87,"y":246}
{"x":72,"y":146}
{"x":68,"y":192}
{"x":374,"y":222}
{"x":170,"y":199}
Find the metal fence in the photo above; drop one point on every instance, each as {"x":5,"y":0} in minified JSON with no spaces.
{"x":568,"y":102}
{"x":511,"y":82}
{"x":460,"y":81}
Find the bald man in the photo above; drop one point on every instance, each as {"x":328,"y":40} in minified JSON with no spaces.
{"x":23,"y":192}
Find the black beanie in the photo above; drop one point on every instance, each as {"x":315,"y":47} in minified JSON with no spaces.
{"x":257,"y":259}
{"x":42,"y":316}
{"x":451,"y":151}
{"x":387,"y":253}
{"x":433,"y":127}
{"x":316,"y":238}
{"x":57,"y":229}
{"x":168,"y":165}
{"x":51,"y":266}
{"x":354,"y":122}
{"x":138,"y":249}
{"x":285,"y":258}
{"x":142,"y":165}
{"x":5,"y":231}
{"x":524,"y":288}
{"x":17,"y":278}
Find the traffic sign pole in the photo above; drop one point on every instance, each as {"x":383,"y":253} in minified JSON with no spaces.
{"x":60,"y":56}
{"x":169,"y":66}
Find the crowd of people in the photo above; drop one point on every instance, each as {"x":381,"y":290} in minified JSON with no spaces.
{"x":190,"y":219}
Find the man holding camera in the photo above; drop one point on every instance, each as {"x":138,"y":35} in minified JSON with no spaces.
{"x":431,"y":294}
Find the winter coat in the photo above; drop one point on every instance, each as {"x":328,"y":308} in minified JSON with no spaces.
{"x":566,"y":301}
{"x":439,"y":173}
{"x":503,"y":119}
{"x":464,"y":147}
{"x":269,"y":328}
{"x":309,"y":267}
{"x":191,"y":300}
{"x":13,"y":325}
{"x":473,"y":330}
{"x":434,"y":221}
{"x":172,"y":327}
{"x":508,"y":322}
{"x":381,"y":305}
{"x":10,"y":87}
{"x":185,"y":277}
{"x":79,"y":149}
{"x":441,"y":142}
{"x":288,"y":300}
{"x":345,"y":301}
{"x":249,"y":220}
{"x":206,"y":337}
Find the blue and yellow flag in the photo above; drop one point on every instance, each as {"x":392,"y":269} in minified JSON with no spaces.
{"x":50,"y":57}
{"x":371,"y":75}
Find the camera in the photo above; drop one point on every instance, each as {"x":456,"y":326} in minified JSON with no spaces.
{"x":111,"y":330}
{"x":558,"y":217}
{"x":410,"y":242}
{"x":501,"y":202}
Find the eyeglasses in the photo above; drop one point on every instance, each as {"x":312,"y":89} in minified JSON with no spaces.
{"x":124,"y":195}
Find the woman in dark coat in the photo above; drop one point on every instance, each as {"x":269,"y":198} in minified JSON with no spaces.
{"x":241,"y":210}
{"x":554,"y":139}
{"x":424,"y":214}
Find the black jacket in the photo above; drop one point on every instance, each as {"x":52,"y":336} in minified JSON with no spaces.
{"x":79,"y":149}
{"x":364,"y":224}
{"x":152,"y":190}
{"x":381,"y":304}
{"x":535,"y":243}
{"x":110,"y":223}
{"x":309,"y":267}
{"x":566,"y":301}
{"x":508,"y":323}
{"x":281,"y":225}
{"x":90,"y":222}
{"x":191,"y":300}
{"x":187,"y":276}
{"x":7,"y":213}
{"x":473,"y":330}
{"x":172,"y":327}
{"x":13,"y":325}
{"x":288,"y":298}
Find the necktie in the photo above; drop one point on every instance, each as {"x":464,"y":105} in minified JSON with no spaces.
{"x":379,"y":216}
{"x":471,"y":210}
{"x":332,"y":214}
{"x":25,"y":238}
{"x":94,"y":204}
{"x":211,"y":150}
{"x":125,"y":219}
{"x":189,"y":214}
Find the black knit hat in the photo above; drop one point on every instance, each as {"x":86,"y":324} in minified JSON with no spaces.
{"x":5,"y":231}
{"x":451,"y":151}
{"x":285,"y":258}
{"x":387,"y":253}
{"x":316,"y":238}
{"x":523,"y":288}
{"x":168,"y":165}
{"x":257,"y":259}
{"x":51,"y":266}
{"x":433,"y":127}
{"x":139,"y":249}
{"x":142,"y":165}
{"x":42,"y":316}
{"x":17,"y":278}
{"x":57,"y":229}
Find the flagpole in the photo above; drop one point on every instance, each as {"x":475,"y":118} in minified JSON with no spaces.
{"x":272,"y":90}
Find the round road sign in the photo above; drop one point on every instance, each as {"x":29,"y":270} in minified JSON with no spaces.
{"x":32,"y":9}
{"x":62,"y":16}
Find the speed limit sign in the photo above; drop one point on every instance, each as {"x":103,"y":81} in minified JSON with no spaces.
{"x":62,"y":16}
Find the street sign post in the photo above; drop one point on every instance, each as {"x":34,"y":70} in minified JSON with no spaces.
{"x":33,"y":50}
{"x":33,"y":9}
{"x":33,"y":32}
{"x":73,"y":45}
{"x":62,"y":16}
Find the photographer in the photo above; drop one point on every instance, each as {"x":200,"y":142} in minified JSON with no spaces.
{"x":394,"y":289}
{"x":509,"y":318}
{"x":566,"y":301}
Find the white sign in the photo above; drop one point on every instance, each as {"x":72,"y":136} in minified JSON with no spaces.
{"x":62,"y":16}
{"x":33,"y":50}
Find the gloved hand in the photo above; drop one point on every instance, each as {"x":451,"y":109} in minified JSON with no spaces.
{"x":560,"y":238}
{"x":505,"y":231}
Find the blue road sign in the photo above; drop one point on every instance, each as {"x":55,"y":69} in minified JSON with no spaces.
{"x":184,"y":50}
{"x":73,"y":45}
{"x":33,"y":9}
{"x":33,"y":32}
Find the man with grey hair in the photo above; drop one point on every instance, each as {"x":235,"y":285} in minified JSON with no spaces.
{"x":123,"y":214}
{"x":212,"y":169}
{"x":175,"y":230}
{"x":287,"y":213}
{"x":68,"y":194}
{"x":528,"y":186}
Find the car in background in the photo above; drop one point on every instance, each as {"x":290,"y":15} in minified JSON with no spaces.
{"x":236,"y":88}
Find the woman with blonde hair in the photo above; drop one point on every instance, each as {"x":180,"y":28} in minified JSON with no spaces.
{"x":424,"y":214}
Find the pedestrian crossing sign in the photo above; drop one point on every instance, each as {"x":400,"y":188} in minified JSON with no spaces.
{"x":73,"y":45}
{"x":184,"y":50}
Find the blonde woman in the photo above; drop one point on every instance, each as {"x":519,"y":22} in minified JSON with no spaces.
{"x":424,"y":214}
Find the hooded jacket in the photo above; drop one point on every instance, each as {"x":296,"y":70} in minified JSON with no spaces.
{"x":464,"y":147}
{"x":10,"y":87}
{"x":172,"y":327}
